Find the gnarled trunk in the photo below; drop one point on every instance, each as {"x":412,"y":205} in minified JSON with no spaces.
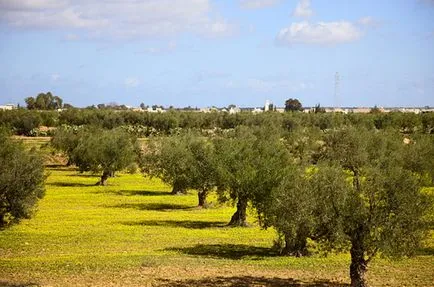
{"x":178,"y":189}
{"x":104,"y":177}
{"x":295,"y":246}
{"x":358,"y":265}
{"x":201,"y":194}
{"x":239,"y":217}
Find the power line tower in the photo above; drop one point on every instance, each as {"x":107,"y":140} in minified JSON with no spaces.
{"x":337,"y":90}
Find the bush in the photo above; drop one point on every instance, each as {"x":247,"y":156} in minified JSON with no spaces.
{"x":21,"y":181}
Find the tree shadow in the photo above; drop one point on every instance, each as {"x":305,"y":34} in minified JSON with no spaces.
{"x":96,"y":175}
{"x":228,"y":251}
{"x":152,"y":206}
{"x":178,"y":223}
{"x":70,"y":184}
{"x":136,"y":192}
{"x":428,"y":251}
{"x":8,"y":284}
{"x":57,"y":167}
{"x":245,"y":281}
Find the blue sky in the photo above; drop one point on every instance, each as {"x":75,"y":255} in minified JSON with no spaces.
{"x":219,"y":52}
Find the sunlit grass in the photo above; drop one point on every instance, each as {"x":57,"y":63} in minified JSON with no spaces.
{"x":133,"y":232}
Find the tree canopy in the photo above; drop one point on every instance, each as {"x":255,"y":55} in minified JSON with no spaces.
{"x":44,"y":101}
{"x":21,"y":181}
{"x":292,"y":105}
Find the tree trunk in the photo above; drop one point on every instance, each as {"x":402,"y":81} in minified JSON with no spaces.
{"x":177,"y":189}
{"x":358,"y":265}
{"x":239,"y":217}
{"x":104,"y":177}
{"x":295,"y":246}
{"x":2,"y":221}
{"x":201,"y":194}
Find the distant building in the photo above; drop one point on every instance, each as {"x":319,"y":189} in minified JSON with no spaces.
{"x":268,"y":105}
{"x":8,"y":107}
{"x":155,"y":110}
{"x":234,"y":110}
{"x":257,"y":111}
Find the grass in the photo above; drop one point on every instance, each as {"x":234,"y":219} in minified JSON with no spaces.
{"x":134,"y":233}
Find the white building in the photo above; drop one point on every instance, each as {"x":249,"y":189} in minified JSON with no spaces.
{"x":267,"y":105}
{"x":234,"y":110}
{"x":8,"y":107}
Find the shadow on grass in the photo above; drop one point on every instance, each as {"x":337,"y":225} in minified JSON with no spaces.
{"x":227,"y":251}
{"x":244,"y":281}
{"x":70,"y":184}
{"x":152,"y":206}
{"x":57,"y":167}
{"x":428,"y":251}
{"x":7,"y":284}
{"x":96,"y":175}
{"x":136,"y":192}
{"x":178,"y":223}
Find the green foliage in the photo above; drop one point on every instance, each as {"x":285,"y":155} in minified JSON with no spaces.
{"x":292,"y":105}
{"x":66,"y":140}
{"x":104,"y":150}
{"x":250,"y":165}
{"x":381,"y":208}
{"x":21,"y":181}
{"x":170,"y":159}
{"x":44,"y":101}
{"x":96,"y":150}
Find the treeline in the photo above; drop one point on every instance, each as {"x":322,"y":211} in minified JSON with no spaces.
{"x":27,"y":122}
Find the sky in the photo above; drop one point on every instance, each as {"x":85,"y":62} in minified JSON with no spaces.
{"x":203,"y":53}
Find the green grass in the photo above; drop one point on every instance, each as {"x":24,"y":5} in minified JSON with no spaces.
{"x":133,"y":232}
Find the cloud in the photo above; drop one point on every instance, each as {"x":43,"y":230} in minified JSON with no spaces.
{"x":369,"y":21}
{"x":55,"y":77}
{"x":428,"y":2}
{"x":119,"y":19}
{"x":31,"y":4}
{"x":72,"y":37}
{"x":257,"y":4}
{"x":132,"y":82}
{"x":169,"y":47}
{"x":303,"y":9}
{"x":321,"y":33}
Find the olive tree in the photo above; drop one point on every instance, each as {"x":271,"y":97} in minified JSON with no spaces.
{"x":21,"y":181}
{"x":366,"y":197}
{"x":203,"y":175}
{"x":250,"y":164}
{"x":169,"y":159}
{"x":184,"y":161}
{"x":289,"y":206}
{"x":66,"y":139}
{"x":105,"y":151}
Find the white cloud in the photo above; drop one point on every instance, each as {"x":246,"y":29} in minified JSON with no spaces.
{"x":72,"y":37}
{"x":322,"y":33}
{"x":132,"y":82}
{"x":31,"y":4}
{"x":303,"y":9}
{"x":122,"y":19}
{"x":257,"y":4}
{"x":369,"y":21}
{"x":55,"y":77}
{"x":217,"y":28}
{"x":169,"y":47}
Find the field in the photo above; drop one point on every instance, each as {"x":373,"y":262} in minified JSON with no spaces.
{"x":134,"y":233}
